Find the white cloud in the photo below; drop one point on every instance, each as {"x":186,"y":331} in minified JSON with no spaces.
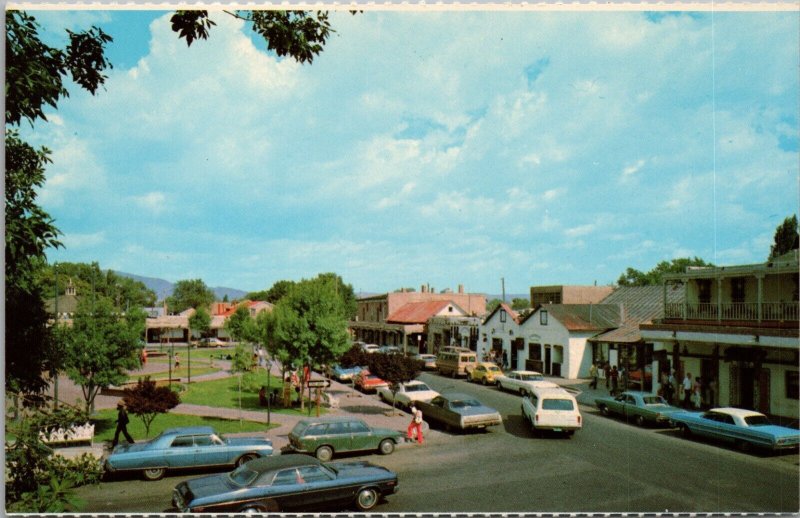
{"x":581,"y":230}
{"x":632,"y":169}
{"x":155,"y":202}
{"x":81,"y":241}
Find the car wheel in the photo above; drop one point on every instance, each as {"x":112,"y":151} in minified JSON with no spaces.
{"x":523,"y":392}
{"x":743,"y":446}
{"x":154,"y":473}
{"x":639,"y":420}
{"x":604,"y":410}
{"x":386,"y":446}
{"x":324,"y":453}
{"x":366,"y":499}
{"x":247,"y":457}
{"x":270,"y":506}
{"x":685,"y":431}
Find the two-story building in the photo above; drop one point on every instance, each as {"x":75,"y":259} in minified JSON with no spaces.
{"x":738,"y":330}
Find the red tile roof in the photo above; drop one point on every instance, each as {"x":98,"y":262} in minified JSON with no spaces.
{"x":419,"y":312}
{"x":248,"y":304}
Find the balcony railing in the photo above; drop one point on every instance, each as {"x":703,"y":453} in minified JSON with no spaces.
{"x":741,"y":311}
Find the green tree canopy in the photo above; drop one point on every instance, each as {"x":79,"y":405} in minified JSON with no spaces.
{"x":200,"y":322}
{"x":634,"y":277}
{"x":518,"y":304}
{"x":492,"y":305}
{"x":786,"y":238}
{"x":187,"y":294}
{"x":239,"y":324}
{"x":124,"y":292}
{"x":101,"y":346}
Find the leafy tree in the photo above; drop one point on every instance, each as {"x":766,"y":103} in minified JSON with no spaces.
{"x":786,"y":238}
{"x":146,"y":401}
{"x":35,"y":75}
{"x":492,"y":305}
{"x":124,"y":292}
{"x":633,"y":277}
{"x":278,"y":290}
{"x":239,"y":324}
{"x":355,"y":357}
{"x":189,"y":294}
{"x":200,"y":322}
{"x":242,"y":358}
{"x":101,"y":346}
{"x":394,"y":369}
{"x":518,"y":304}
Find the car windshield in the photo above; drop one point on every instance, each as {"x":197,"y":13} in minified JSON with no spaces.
{"x":531,"y":377}
{"x":299,"y":428}
{"x":654,"y":400}
{"x":757,"y":420}
{"x":417,"y":387}
{"x":493,"y":368}
{"x":557,"y":404}
{"x":463,"y":403}
{"x":242,"y":475}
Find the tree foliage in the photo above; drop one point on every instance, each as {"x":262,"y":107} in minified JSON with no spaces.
{"x":518,"y":304}
{"x":634,"y":277}
{"x":239,"y":324}
{"x":192,"y":293}
{"x":101,"y":346}
{"x":394,"y":368}
{"x":88,"y":278}
{"x":200,"y":322}
{"x":786,"y":238}
{"x":146,"y":401}
{"x":492,"y":305}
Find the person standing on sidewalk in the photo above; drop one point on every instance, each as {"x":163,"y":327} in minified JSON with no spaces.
{"x":415,"y":426}
{"x":593,"y":375}
{"x":122,"y":425}
{"x":687,"y":391}
{"x":614,"y":375}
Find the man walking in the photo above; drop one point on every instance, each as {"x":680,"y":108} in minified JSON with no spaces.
{"x":122,"y":425}
{"x":687,"y":390}
{"x":593,"y":375}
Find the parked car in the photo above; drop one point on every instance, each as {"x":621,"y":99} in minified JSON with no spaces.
{"x":368,"y":382}
{"x":523,"y":382}
{"x":456,"y":361}
{"x":407,"y":393}
{"x":344,"y":373}
{"x":428,"y":360}
{"x":212,"y":341}
{"x":190,"y":447}
{"x":743,"y":428}
{"x":485,"y":372}
{"x":287,"y":483}
{"x":326,"y":436}
{"x":635,"y":376}
{"x":389,"y":349}
{"x":370,"y":348}
{"x":460,"y":411}
{"x":551,"y":409}
{"x":640,"y":407}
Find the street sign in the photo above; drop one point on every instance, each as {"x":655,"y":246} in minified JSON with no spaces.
{"x":319,"y":383}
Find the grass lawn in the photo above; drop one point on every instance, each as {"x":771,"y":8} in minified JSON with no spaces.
{"x":181,"y":372}
{"x":225,"y":393}
{"x":105,"y":423}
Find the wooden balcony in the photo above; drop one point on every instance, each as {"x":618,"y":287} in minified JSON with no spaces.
{"x":765,"y":313}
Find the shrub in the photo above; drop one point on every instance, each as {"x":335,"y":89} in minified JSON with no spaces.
{"x":146,"y":401}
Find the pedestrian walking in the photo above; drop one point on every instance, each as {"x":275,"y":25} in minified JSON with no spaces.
{"x":687,"y":390}
{"x":672,"y":386}
{"x":614,"y":375}
{"x":697,"y":395}
{"x":177,"y":361}
{"x":415,"y":426}
{"x":666,"y":387}
{"x":607,"y":372}
{"x":593,"y":375}
{"x":122,"y":425}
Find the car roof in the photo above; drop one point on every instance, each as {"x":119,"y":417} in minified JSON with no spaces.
{"x":188,"y":430}
{"x":552,"y":391}
{"x":414,"y":382}
{"x":741,"y":412}
{"x":263,"y":464}
{"x":536,"y":373}
{"x":332,"y":419}
{"x":456,"y":395}
{"x":487,"y":364}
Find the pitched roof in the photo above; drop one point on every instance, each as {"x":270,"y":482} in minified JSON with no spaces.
{"x":513,"y":314}
{"x":582,"y":317}
{"x":640,"y":305}
{"x":419,"y":312}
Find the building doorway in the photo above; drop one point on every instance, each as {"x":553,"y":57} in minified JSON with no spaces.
{"x":547,"y":356}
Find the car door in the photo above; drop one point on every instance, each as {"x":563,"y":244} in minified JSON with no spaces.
{"x":180,"y":453}
{"x":209,"y":450}
{"x":337,"y":434}
{"x":628,"y":406}
{"x":289,"y":489}
{"x":320,"y":487}
{"x":435,"y":410}
{"x":361,"y":436}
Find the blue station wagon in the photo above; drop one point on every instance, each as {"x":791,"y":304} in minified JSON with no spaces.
{"x":190,"y":447}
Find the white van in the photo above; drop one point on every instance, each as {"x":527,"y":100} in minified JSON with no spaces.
{"x":456,"y":361}
{"x":554,"y":409}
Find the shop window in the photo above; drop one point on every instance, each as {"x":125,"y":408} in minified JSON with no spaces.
{"x":792,"y":385}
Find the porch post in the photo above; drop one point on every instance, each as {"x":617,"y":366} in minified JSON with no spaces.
{"x":759,"y":307}
{"x":719,"y":299}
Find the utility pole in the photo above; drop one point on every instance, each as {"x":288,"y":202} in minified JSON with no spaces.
{"x":503,"y":286}
{"x":58,"y":342}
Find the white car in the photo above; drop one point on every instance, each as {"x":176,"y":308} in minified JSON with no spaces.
{"x":408,"y":392}
{"x":551,"y":409}
{"x":370,"y":348}
{"x":523,"y":382}
{"x":389,"y":349}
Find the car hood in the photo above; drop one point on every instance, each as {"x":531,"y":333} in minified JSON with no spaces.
{"x":209,"y":486}
{"x":247,"y":441}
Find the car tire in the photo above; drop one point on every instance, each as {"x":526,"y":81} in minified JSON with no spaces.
{"x":154,"y":474}
{"x":523,"y":392}
{"x":270,"y":506}
{"x":604,"y":410}
{"x":367,"y":498}
{"x":685,"y":431}
{"x":324,"y":453}
{"x":247,"y":457}
{"x":640,"y":421}
{"x":743,"y":446}
{"x":386,"y":447}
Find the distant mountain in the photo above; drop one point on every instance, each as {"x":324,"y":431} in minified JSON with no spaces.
{"x":164,"y":288}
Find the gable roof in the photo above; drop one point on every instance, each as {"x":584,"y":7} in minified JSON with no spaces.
{"x":640,"y":305}
{"x":420,"y":312}
{"x":582,"y":317}
{"x":513,"y":314}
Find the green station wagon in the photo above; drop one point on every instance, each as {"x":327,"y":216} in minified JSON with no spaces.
{"x":326,"y":436}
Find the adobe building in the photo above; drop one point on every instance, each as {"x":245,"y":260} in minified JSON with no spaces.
{"x":561,"y":294}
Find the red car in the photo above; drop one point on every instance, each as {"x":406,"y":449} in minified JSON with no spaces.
{"x":366,"y":382}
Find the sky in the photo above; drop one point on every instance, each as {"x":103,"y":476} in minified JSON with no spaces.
{"x":429,"y":147}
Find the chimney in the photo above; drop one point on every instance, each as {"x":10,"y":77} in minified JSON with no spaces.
{"x":423,"y":289}
{"x":461,"y":288}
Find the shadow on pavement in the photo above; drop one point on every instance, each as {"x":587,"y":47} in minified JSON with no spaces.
{"x":364,"y":409}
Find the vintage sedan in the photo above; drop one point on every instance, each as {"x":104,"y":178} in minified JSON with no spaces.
{"x":428,"y":360}
{"x":459,"y":411}
{"x":743,"y":428}
{"x":287,"y":483}
{"x":523,"y":382}
{"x":365,"y":381}
{"x":340,"y":373}
{"x":407,"y":393}
{"x":639,"y":407}
{"x":190,"y":447}
{"x":485,"y":372}
{"x":325,"y":436}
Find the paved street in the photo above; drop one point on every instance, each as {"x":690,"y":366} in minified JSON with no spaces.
{"x":608,"y":466}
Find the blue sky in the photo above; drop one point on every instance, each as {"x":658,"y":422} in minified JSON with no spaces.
{"x":429,"y":147}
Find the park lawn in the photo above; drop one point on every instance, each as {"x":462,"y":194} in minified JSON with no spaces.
{"x":105,"y":423}
{"x":181,"y":372}
{"x":224,"y":393}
